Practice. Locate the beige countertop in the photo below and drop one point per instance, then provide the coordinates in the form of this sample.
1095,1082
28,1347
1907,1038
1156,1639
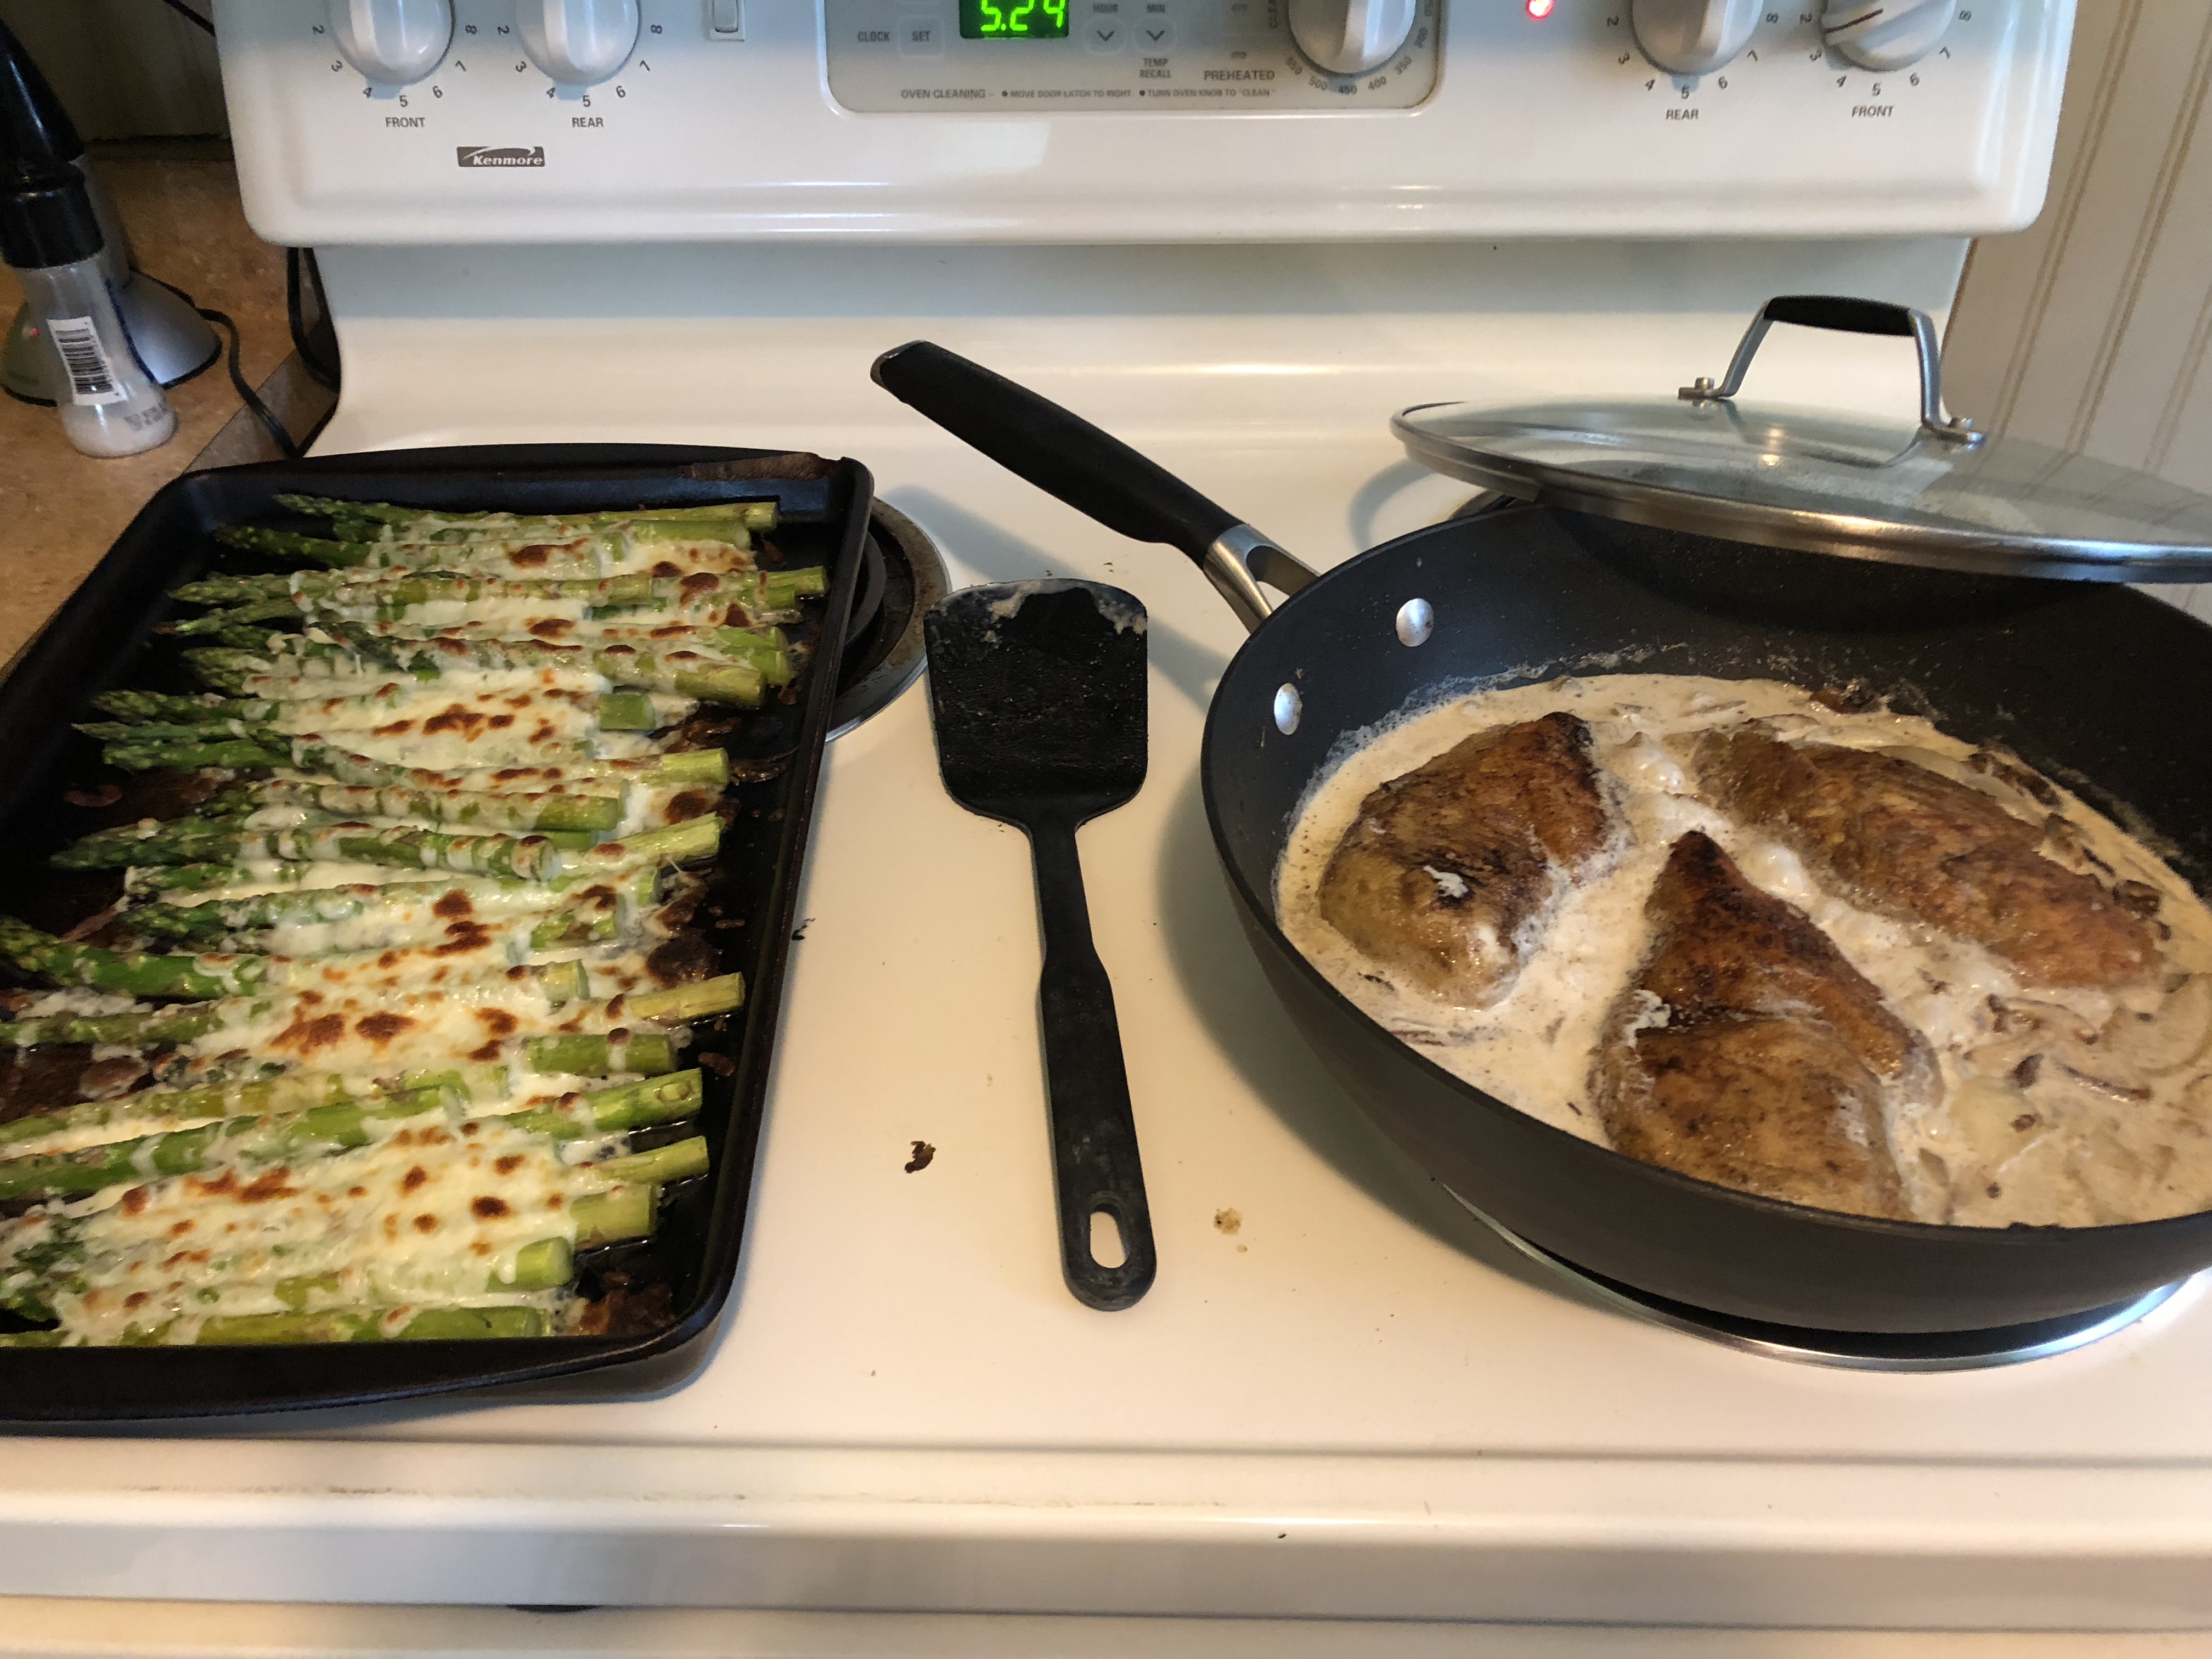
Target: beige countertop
60,510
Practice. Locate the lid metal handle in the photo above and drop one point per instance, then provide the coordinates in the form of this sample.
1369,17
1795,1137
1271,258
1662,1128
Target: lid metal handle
1851,317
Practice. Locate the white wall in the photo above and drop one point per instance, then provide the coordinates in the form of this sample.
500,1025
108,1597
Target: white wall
2093,328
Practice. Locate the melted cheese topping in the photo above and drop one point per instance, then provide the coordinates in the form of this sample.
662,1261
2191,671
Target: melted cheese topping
435,1209
445,1014
2094,1135
317,677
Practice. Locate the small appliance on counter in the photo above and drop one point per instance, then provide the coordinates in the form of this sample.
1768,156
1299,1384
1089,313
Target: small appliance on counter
172,340
50,238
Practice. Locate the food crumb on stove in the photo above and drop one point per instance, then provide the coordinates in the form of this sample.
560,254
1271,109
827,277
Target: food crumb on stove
1227,1221
799,932
923,1153
720,1064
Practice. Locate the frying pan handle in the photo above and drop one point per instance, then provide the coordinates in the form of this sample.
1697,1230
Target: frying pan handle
1847,316
1095,473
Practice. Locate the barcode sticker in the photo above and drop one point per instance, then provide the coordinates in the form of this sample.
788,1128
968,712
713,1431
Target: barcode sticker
92,378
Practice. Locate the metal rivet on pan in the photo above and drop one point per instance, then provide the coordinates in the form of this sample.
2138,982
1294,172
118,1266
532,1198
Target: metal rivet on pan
1417,620
1288,707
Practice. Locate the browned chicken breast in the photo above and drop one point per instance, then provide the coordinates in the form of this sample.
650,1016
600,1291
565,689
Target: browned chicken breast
1925,848
1444,869
1748,1051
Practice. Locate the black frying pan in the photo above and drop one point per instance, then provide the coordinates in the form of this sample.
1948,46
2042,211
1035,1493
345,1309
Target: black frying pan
2101,687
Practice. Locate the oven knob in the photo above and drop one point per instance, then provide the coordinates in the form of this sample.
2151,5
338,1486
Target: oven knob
1350,37
578,43
395,43
1879,36
1693,37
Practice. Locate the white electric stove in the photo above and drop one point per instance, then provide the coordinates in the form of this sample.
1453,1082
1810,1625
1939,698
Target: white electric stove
1344,1398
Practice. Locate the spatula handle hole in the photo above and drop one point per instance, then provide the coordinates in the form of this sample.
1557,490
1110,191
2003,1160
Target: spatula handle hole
1106,1248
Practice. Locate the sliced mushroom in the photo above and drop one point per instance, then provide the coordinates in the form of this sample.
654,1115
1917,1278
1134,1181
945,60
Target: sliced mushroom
1998,1121
2167,1041
2027,1030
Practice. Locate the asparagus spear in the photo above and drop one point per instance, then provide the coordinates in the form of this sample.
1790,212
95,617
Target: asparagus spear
334,799
662,1165
395,610
141,714
426,587
546,1265
669,769
336,1325
41,956
282,609
290,1091
600,1219
186,841
576,1054
370,1325
205,978
139,1028
688,1002
589,554
612,1111
408,912
182,1152
363,652
750,515
623,1211
486,811
342,1124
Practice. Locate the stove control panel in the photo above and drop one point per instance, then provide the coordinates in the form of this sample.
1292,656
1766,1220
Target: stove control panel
1131,55
620,121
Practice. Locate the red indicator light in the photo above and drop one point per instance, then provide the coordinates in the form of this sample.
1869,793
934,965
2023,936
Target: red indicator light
1540,9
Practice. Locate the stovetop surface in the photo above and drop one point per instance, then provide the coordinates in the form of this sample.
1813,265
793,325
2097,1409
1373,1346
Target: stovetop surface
1318,1294
1344,1396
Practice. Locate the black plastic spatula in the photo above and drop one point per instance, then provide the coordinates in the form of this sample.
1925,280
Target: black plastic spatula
1036,690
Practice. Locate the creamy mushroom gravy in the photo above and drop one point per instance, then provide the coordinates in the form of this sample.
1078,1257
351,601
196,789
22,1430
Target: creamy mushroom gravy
2072,1107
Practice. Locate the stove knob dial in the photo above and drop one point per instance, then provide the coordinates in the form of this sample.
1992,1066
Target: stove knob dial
395,43
580,42
1879,36
1693,37
1350,37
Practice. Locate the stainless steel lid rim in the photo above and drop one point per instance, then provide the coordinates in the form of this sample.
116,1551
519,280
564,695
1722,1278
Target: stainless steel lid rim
1661,507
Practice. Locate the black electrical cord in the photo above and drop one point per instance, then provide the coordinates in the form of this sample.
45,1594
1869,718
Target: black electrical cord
283,440
180,6
299,269
246,394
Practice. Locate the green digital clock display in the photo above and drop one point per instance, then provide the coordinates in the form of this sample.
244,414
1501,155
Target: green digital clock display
1013,20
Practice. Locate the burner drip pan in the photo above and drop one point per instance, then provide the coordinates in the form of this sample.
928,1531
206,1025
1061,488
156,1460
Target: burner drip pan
1869,1351
902,575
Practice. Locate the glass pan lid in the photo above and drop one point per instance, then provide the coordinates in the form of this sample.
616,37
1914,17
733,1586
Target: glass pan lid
1930,493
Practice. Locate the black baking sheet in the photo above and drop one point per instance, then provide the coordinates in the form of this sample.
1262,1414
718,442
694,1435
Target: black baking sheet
104,637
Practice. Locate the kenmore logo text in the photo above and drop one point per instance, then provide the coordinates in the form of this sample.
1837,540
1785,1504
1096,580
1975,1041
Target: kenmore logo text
512,155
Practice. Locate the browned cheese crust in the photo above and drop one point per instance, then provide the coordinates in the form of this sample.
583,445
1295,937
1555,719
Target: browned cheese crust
1922,848
1770,1069
1447,863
